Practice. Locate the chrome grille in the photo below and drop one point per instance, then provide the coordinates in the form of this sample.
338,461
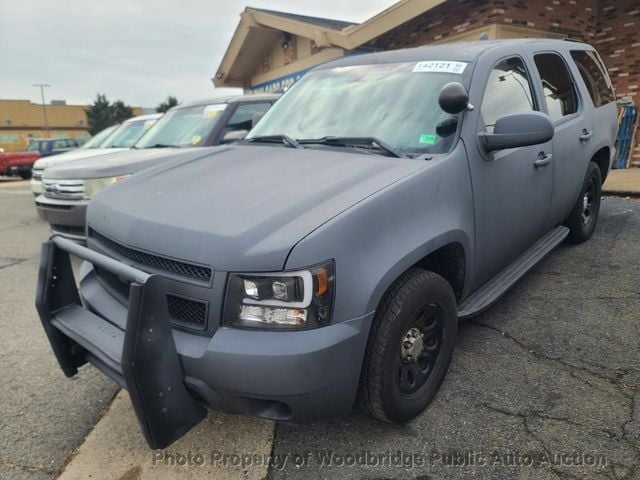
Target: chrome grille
196,272
65,189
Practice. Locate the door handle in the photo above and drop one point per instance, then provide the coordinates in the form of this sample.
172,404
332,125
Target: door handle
543,159
586,135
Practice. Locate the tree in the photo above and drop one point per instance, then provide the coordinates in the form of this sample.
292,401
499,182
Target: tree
170,102
103,114
99,114
120,112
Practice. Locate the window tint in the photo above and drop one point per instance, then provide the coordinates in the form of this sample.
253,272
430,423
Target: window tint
595,77
508,91
58,144
243,116
557,85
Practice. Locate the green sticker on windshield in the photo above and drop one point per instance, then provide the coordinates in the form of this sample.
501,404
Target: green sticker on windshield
427,139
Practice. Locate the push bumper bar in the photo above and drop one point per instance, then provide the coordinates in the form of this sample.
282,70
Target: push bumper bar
142,358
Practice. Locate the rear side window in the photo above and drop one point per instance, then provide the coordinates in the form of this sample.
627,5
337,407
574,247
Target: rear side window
508,91
557,85
595,77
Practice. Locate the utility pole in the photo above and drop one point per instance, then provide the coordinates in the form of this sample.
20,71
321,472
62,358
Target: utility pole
44,106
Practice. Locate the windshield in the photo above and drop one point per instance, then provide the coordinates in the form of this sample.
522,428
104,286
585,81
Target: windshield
183,127
99,138
128,134
395,103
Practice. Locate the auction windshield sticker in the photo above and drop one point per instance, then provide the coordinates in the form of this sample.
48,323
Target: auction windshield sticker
211,111
440,67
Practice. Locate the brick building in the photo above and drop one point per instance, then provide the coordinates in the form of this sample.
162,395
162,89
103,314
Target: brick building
270,50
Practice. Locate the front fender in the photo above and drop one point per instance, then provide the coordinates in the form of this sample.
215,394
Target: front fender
379,238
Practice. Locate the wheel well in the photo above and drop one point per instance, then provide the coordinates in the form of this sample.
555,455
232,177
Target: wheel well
449,263
602,159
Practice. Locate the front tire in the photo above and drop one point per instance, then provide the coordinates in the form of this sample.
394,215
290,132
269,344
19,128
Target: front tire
410,346
584,216
25,174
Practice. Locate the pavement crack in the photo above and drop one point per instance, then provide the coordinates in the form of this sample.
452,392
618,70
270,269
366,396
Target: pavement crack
26,468
540,414
569,367
9,262
624,435
559,473
626,427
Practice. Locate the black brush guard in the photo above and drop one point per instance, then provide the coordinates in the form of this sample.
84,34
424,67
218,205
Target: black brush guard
142,358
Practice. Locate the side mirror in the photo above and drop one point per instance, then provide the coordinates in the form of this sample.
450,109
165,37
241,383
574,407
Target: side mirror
518,130
447,127
256,118
233,136
453,98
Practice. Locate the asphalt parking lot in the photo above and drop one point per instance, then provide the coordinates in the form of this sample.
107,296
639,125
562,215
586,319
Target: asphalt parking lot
544,385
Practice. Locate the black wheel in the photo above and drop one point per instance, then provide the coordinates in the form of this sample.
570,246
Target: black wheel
25,174
410,345
584,216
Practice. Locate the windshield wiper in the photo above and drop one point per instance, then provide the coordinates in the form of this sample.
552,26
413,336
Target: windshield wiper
355,142
162,145
284,139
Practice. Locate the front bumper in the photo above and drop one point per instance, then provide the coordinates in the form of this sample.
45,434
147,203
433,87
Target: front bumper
170,373
66,217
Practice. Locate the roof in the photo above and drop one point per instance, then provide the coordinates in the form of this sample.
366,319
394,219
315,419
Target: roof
458,51
142,118
230,99
322,22
258,27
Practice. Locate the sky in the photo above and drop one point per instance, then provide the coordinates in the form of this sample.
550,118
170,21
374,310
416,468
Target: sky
137,51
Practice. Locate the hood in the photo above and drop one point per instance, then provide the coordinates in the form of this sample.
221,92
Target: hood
113,164
77,154
240,207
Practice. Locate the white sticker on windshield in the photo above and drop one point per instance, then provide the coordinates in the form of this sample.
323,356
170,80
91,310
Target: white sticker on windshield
211,111
440,67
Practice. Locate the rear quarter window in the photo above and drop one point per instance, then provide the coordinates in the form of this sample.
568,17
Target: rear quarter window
557,85
595,77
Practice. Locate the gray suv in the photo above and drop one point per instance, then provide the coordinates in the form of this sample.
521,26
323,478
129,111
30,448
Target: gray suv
329,256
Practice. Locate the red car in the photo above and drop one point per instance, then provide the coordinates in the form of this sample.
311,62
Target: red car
20,163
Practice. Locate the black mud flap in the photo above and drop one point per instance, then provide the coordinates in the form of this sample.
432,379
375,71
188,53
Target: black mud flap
143,358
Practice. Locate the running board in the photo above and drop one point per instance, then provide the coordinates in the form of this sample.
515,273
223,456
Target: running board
491,291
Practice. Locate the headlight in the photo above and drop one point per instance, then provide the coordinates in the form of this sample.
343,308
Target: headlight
283,300
94,185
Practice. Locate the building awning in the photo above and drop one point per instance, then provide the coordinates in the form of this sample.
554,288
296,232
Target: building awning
260,27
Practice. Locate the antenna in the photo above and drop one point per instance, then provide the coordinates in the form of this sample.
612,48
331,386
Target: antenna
484,36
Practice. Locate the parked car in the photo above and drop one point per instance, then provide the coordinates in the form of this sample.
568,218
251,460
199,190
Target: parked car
69,188
17,163
21,163
51,146
383,198
112,139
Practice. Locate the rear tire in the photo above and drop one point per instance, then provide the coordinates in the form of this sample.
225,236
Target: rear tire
584,216
410,346
25,174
